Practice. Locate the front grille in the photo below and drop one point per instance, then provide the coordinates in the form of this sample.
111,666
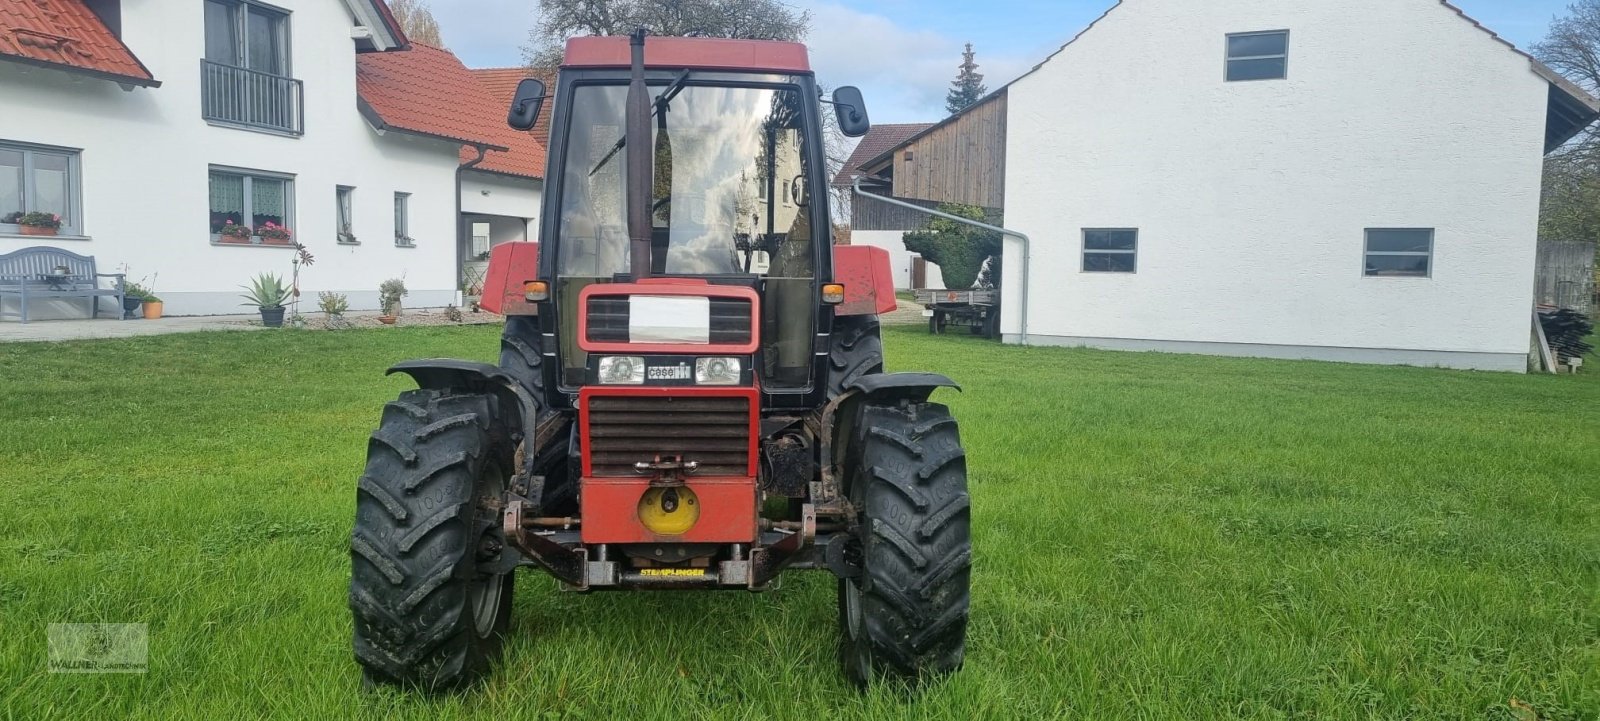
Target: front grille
608,320
713,431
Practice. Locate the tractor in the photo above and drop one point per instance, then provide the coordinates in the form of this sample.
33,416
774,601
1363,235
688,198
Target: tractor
690,393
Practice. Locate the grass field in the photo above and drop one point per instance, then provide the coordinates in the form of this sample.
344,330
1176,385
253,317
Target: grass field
1157,536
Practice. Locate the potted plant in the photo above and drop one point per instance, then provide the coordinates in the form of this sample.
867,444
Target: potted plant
273,234
333,306
152,307
39,223
389,294
132,297
403,240
268,293
346,237
231,232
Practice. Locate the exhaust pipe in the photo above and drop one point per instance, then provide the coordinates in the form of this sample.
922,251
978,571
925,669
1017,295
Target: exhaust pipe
640,164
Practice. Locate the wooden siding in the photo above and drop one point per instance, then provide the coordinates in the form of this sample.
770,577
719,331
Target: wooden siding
963,161
1566,274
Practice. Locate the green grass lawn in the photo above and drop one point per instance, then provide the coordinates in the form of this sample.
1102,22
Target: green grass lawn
1157,536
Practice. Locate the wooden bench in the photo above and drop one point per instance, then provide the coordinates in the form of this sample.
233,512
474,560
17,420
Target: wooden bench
43,272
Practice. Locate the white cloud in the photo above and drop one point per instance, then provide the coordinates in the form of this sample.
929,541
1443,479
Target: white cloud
904,72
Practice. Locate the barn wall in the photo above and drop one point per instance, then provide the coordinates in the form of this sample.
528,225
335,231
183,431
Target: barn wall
963,162
1251,198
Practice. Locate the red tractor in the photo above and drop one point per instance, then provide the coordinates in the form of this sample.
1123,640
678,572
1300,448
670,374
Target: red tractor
690,392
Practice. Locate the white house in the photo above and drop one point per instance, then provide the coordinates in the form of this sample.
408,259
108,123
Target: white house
151,127
1351,180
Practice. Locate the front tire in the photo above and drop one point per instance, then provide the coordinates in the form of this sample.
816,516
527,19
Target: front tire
905,615
521,355
427,514
856,349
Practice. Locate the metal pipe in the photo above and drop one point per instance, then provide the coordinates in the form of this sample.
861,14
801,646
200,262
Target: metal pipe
1026,244
640,162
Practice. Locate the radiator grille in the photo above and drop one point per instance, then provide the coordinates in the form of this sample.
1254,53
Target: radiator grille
711,430
608,320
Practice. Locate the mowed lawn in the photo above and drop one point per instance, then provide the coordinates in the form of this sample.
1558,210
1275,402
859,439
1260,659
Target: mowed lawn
1157,536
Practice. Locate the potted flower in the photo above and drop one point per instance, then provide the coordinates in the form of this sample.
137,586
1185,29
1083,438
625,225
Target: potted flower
39,223
403,240
268,294
273,234
234,233
333,307
346,237
132,297
389,294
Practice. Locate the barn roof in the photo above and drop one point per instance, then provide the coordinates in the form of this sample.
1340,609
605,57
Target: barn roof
878,141
67,35
426,91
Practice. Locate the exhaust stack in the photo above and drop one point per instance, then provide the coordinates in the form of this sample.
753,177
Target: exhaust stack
640,166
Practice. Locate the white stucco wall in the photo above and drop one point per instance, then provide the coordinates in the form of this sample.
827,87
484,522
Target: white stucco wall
1251,198
900,259
146,154
495,194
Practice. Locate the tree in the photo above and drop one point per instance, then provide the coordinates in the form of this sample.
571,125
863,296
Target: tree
968,86
1571,205
416,19
752,19
957,248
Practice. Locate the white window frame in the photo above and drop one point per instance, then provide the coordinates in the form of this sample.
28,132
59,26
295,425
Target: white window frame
1367,252
1085,250
1228,59
402,221
74,225
249,177
344,214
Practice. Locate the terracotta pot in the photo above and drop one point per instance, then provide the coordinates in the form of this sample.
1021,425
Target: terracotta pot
37,230
387,319
152,309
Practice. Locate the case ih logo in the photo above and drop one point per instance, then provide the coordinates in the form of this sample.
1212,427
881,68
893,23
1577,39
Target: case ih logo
668,373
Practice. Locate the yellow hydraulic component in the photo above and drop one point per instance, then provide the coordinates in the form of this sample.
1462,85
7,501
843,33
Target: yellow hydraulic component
669,511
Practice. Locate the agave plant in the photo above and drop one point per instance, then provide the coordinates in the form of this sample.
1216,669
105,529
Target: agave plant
268,291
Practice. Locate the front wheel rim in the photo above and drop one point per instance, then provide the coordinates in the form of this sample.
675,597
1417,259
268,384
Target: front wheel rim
484,593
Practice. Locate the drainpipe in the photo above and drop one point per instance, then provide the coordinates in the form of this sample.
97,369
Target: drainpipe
461,222
1023,335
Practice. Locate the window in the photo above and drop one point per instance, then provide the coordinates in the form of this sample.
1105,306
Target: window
1399,252
245,73
35,179
244,204
344,198
1110,250
402,220
1258,56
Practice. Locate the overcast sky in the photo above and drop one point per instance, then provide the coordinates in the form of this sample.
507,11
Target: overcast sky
903,53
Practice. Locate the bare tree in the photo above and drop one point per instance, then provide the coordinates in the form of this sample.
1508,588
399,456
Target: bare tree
416,19
754,19
1571,202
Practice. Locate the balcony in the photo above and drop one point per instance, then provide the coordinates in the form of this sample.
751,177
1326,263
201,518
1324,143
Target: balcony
251,99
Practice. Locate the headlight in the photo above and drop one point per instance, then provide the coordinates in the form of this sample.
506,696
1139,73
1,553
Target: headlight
716,371
622,370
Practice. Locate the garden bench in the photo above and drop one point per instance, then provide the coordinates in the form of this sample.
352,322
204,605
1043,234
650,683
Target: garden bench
43,272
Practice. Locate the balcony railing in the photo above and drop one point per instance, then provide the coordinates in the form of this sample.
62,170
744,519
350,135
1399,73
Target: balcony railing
251,98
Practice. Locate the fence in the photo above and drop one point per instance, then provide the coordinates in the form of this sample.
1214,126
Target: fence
247,97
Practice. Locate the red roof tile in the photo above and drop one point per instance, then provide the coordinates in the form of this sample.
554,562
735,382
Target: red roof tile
427,91
879,140
66,34
527,155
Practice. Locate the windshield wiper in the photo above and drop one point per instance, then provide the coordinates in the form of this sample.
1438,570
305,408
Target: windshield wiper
657,108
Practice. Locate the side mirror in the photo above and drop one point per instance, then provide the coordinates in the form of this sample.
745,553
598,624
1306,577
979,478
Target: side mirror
851,111
526,103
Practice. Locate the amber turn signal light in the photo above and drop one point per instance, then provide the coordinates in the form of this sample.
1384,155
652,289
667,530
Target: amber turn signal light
534,291
833,293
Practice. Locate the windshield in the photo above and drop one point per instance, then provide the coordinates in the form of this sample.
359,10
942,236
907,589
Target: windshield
729,192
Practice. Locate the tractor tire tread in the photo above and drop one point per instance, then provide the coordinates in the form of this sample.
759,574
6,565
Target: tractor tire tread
855,350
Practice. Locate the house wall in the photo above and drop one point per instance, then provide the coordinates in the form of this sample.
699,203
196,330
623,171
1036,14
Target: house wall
1251,198
495,194
146,153
900,259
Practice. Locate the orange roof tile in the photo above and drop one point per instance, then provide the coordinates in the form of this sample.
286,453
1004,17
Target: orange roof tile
527,155
427,91
66,34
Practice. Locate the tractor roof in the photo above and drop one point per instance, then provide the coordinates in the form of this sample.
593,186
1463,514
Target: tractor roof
696,53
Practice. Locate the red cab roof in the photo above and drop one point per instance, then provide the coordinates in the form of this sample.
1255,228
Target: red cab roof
697,53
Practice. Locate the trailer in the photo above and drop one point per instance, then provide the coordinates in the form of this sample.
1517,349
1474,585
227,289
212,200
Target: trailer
976,308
